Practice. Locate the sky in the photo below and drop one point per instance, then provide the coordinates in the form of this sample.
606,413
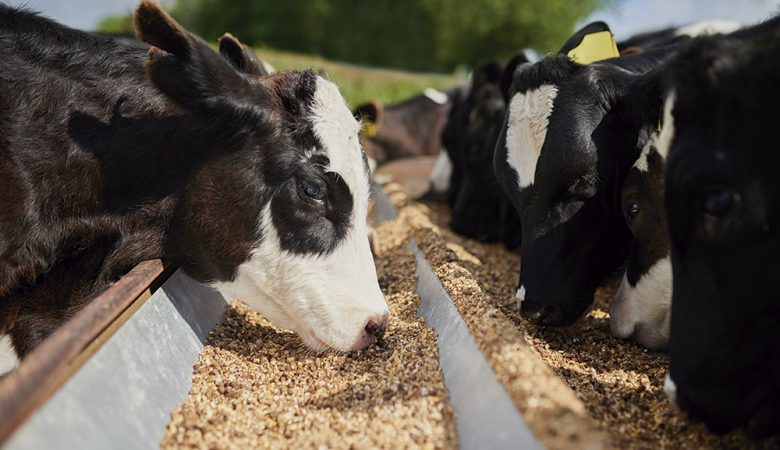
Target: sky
629,17
625,18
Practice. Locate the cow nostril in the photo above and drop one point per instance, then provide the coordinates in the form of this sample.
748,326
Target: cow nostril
376,329
547,315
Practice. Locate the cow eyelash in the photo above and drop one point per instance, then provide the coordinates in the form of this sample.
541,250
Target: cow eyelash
584,181
580,189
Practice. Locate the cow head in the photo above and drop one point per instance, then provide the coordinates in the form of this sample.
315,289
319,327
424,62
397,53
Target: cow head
452,138
568,141
476,199
723,211
640,308
275,214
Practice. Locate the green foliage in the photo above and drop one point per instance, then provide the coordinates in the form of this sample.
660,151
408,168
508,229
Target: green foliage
418,35
116,25
361,84
357,84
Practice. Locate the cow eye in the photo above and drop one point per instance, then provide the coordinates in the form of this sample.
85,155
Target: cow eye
632,210
719,202
311,189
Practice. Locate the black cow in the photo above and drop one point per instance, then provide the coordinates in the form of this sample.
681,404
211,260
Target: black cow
571,134
113,152
723,210
480,209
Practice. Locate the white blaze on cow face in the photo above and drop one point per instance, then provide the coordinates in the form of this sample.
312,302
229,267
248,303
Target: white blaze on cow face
642,163
529,117
8,357
328,299
666,136
643,311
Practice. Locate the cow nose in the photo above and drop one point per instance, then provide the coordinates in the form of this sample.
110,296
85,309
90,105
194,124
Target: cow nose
376,328
544,314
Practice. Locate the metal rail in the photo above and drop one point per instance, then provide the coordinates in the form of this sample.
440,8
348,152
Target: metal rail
50,364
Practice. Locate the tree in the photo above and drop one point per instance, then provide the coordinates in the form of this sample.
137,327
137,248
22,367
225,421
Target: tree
116,25
409,34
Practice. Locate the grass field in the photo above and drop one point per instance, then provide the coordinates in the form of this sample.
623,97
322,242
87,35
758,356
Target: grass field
361,84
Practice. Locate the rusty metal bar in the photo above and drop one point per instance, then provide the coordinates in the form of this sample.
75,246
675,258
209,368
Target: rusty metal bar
50,364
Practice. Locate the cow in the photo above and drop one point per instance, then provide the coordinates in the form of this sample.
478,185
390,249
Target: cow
571,134
114,152
675,35
480,209
406,129
723,211
640,308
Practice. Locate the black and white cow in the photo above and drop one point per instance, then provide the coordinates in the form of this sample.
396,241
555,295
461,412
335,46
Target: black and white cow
723,210
640,308
571,135
114,152
676,35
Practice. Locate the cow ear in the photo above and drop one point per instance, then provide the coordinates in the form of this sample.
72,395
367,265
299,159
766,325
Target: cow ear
182,66
592,43
242,57
576,38
509,73
370,114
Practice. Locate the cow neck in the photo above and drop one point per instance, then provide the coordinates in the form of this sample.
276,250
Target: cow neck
146,163
146,160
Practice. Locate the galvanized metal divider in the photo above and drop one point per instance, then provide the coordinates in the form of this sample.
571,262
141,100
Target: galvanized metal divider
111,375
486,415
50,364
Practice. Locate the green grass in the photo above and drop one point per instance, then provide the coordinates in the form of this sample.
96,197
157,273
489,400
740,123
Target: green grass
361,84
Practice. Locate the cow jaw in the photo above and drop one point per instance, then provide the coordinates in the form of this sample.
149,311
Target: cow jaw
642,311
327,299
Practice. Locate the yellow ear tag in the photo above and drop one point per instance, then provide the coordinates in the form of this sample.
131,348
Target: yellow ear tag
594,47
369,130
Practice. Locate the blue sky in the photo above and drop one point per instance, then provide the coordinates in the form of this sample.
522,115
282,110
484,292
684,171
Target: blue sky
633,16
626,18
